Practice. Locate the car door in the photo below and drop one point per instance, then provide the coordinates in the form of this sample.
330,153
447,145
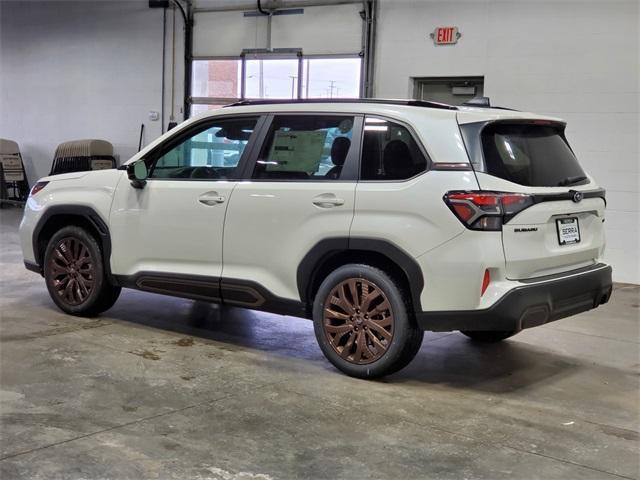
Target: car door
167,236
299,190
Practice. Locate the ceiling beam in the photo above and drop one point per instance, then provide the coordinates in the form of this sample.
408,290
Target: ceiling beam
240,5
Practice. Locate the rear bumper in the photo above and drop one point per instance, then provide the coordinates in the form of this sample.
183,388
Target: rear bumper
533,303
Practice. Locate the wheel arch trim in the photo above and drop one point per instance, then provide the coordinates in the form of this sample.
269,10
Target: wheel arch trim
324,250
83,211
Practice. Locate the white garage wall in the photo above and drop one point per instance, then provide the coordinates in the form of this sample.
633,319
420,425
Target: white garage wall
78,69
577,60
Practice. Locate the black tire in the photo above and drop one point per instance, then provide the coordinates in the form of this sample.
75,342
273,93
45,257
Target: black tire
489,336
390,353
75,274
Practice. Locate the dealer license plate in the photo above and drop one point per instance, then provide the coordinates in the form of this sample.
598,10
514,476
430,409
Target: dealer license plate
568,230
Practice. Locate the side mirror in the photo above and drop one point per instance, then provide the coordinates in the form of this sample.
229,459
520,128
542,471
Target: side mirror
137,173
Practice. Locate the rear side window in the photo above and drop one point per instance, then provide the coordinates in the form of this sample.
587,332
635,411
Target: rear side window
389,152
530,155
305,147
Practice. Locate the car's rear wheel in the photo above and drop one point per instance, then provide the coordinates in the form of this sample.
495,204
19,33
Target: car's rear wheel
363,324
75,274
489,336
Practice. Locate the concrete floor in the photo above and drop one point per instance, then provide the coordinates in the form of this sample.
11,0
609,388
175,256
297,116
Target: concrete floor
168,388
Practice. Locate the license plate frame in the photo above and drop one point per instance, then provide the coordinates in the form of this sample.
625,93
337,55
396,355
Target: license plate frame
565,235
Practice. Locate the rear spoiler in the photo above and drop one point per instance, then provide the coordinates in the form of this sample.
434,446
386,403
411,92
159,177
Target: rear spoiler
484,102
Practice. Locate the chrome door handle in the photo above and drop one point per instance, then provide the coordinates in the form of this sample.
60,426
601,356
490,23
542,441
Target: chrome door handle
327,200
211,199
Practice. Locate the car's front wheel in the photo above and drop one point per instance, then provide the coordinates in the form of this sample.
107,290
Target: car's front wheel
363,324
75,274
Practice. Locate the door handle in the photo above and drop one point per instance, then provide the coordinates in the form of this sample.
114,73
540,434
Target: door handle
327,200
211,198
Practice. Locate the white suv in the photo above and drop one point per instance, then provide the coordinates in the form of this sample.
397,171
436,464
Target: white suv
378,219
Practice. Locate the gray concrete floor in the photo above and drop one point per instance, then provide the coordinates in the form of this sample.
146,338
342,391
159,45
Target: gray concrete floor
167,388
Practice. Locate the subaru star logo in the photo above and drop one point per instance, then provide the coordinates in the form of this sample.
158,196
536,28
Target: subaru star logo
577,196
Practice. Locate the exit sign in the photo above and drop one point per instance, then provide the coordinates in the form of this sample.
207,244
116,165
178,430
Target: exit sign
445,35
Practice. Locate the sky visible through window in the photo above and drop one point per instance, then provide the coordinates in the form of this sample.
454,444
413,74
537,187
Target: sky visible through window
321,78
331,78
271,78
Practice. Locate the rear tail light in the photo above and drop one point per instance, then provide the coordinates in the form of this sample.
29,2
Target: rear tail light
486,210
37,187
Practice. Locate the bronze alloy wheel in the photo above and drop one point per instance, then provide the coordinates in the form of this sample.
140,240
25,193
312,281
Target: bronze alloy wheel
72,271
358,321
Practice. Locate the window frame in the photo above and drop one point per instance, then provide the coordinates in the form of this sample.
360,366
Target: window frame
198,127
350,170
414,136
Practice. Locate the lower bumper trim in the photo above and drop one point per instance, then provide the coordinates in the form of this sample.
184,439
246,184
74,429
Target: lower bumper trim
529,305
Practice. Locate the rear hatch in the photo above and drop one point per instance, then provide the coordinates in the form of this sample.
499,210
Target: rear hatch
560,225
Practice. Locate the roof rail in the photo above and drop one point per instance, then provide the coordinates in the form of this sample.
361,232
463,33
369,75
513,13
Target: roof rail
383,101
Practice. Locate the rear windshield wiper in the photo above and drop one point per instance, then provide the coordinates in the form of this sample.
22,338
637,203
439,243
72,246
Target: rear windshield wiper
571,180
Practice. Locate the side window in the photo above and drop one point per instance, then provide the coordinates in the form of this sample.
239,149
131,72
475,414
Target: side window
305,147
389,152
213,152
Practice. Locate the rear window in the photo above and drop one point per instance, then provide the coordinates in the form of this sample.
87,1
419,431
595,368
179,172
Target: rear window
531,155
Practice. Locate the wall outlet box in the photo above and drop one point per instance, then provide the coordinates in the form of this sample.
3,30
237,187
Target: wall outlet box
154,116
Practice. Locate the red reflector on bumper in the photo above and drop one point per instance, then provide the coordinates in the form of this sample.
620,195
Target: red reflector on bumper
485,282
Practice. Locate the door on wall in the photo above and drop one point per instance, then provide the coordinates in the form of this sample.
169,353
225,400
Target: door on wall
450,90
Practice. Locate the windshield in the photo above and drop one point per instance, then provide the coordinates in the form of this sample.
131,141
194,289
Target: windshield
531,155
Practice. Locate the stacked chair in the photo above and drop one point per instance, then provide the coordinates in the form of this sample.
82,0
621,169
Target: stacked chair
14,186
83,155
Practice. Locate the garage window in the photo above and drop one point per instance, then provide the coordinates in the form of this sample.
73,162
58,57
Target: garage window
216,78
272,78
199,108
218,82
331,77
